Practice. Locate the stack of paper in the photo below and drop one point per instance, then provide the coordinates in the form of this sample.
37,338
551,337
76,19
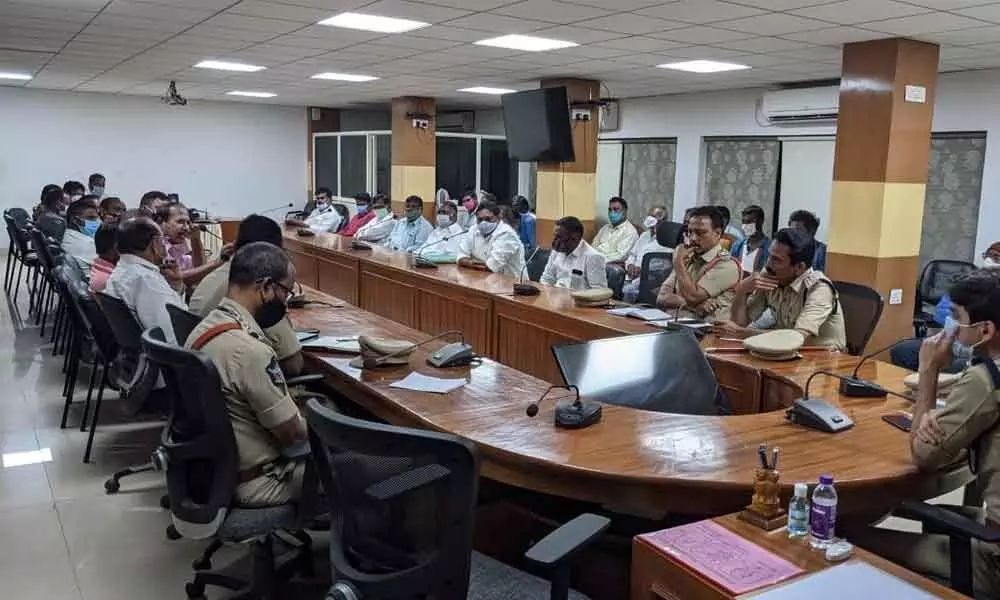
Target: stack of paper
644,314
855,579
424,383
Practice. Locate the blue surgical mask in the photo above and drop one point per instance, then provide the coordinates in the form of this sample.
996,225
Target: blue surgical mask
90,227
362,209
486,228
615,217
97,190
958,349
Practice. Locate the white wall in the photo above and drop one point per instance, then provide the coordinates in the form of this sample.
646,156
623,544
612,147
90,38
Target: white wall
965,102
227,157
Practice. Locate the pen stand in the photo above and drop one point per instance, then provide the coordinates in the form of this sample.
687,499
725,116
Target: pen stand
765,509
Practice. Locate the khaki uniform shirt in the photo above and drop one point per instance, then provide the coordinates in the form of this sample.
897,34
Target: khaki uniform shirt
808,305
252,383
210,293
715,272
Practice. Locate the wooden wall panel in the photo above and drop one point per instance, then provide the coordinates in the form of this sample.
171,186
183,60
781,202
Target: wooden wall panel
338,277
385,294
452,308
305,267
740,383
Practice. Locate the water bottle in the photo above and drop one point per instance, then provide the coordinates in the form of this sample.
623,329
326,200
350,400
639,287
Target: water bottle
823,520
798,512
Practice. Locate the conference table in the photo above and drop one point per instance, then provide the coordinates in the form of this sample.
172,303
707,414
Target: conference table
638,462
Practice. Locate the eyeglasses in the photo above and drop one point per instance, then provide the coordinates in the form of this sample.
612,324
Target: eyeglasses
289,292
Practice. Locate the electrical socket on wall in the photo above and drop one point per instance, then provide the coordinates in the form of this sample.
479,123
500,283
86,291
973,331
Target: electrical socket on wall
896,296
581,114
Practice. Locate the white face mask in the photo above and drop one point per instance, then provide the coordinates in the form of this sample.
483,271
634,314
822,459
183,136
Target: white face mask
989,263
444,220
486,228
650,222
749,228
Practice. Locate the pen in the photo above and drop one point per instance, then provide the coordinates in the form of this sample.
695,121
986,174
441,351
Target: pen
762,454
774,458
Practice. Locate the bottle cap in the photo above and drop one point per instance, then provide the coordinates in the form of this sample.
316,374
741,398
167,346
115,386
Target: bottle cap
826,479
801,489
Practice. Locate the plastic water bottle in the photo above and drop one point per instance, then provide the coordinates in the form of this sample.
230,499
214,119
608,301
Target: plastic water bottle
823,520
798,512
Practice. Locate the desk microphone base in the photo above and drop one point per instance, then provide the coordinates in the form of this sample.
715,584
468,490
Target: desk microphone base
859,388
578,414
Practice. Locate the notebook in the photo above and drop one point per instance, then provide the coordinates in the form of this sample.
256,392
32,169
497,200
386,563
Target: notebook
723,557
855,579
643,314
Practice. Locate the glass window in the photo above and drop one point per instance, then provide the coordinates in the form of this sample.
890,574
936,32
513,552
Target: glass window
353,165
325,162
498,173
456,164
383,164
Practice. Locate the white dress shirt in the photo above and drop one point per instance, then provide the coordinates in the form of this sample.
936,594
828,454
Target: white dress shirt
615,241
408,235
139,284
443,240
377,230
645,244
323,220
80,247
581,269
502,251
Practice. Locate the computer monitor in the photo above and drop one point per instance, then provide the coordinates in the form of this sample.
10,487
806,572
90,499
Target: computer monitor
664,372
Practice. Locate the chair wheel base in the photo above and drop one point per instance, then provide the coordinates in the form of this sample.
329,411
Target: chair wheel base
194,590
112,486
172,533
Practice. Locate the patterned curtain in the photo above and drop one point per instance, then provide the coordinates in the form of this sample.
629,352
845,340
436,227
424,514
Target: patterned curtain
648,170
951,203
740,172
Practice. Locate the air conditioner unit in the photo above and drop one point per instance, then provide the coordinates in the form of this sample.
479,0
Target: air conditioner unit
801,105
457,122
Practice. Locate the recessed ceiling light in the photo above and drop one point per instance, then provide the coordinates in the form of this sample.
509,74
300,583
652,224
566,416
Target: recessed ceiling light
703,66
344,77
486,90
229,66
363,22
17,76
526,43
251,94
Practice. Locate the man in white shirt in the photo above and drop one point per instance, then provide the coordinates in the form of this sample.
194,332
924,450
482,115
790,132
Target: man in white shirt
323,218
574,264
444,240
82,223
411,231
616,239
492,245
137,281
645,244
380,228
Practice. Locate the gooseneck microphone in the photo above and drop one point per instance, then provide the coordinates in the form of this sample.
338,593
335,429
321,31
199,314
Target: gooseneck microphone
576,415
860,388
844,379
372,363
274,208
526,289
422,263
205,229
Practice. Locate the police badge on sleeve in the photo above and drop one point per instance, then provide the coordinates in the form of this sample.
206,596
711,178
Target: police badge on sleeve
274,372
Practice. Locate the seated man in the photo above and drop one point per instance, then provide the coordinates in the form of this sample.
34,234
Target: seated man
799,296
467,209
82,223
443,241
410,232
701,284
264,417
112,209
491,245
137,280
212,289
184,246
361,218
751,250
106,243
378,229
808,223
616,239
941,436
526,222
323,218
574,264
645,244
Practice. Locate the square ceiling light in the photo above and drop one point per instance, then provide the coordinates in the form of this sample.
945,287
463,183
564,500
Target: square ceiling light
703,66
486,90
376,23
251,94
526,43
344,77
223,65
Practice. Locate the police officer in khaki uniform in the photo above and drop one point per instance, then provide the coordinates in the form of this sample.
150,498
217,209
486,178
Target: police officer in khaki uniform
800,297
213,287
265,419
968,419
701,284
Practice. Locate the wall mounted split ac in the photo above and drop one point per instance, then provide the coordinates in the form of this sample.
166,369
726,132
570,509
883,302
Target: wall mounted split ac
802,105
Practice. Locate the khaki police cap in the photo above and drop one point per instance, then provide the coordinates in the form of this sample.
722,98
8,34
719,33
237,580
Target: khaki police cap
593,297
781,344
372,347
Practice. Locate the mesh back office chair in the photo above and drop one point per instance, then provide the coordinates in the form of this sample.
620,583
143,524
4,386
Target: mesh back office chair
615,274
202,462
656,267
932,286
401,503
862,308
345,217
183,321
536,266
670,233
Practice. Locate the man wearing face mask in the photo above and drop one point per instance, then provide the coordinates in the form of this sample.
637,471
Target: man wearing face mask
411,231
526,223
574,264
751,249
645,244
73,191
323,218
491,245
112,209
82,224
615,239
362,217
968,420
468,209
800,297
264,416
701,284
443,241
97,182
380,227
137,280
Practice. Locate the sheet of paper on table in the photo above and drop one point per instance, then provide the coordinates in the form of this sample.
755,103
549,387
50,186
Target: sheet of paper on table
855,579
424,383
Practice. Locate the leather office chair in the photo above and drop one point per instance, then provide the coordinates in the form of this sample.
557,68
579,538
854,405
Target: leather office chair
401,503
862,308
202,463
345,217
934,281
183,321
656,267
670,233
616,279
536,267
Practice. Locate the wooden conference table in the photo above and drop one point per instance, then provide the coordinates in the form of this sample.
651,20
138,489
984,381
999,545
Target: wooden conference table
636,461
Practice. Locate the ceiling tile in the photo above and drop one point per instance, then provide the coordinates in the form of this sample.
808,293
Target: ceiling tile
619,4
777,5
849,12
975,35
761,44
701,35
830,54
31,43
29,9
630,23
145,10
773,24
949,4
495,24
227,33
990,12
403,9
926,23
592,52
287,12
448,32
551,11
471,4
641,44
44,24
580,35
705,53
418,43
835,35
699,11
273,26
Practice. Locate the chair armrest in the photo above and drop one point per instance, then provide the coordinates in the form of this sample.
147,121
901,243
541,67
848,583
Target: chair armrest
404,483
304,379
946,521
567,541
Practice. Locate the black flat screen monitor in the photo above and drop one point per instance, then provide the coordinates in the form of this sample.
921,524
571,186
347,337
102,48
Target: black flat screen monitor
538,126
663,372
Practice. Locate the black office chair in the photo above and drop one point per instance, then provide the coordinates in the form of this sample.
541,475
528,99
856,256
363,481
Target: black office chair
183,321
536,266
50,255
670,233
345,217
935,279
862,308
401,503
80,347
53,226
202,463
19,252
656,267
615,274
